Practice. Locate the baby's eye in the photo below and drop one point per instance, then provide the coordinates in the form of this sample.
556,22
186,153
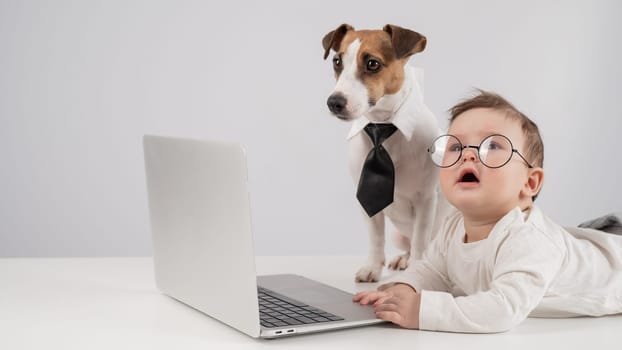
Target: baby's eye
454,147
494,146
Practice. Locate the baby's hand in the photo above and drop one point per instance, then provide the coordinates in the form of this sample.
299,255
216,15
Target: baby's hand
369,297
400,307
398,303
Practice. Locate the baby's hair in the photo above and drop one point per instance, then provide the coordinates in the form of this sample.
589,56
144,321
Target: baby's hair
534,147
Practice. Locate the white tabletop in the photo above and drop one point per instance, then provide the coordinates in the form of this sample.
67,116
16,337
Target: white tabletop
112,303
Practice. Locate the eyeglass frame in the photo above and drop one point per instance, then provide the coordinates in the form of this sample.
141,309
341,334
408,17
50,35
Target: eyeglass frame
463,147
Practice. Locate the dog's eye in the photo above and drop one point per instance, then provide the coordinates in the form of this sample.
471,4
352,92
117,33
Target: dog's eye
373,65
337,62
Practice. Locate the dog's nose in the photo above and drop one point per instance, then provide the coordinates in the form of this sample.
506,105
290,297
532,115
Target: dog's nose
336,103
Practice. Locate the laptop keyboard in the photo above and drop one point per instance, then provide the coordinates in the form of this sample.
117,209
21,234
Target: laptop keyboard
276,310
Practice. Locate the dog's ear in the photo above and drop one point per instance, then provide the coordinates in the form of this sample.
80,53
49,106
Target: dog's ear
332,40
405,42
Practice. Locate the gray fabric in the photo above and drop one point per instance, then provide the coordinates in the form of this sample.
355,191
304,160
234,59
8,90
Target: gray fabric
611,223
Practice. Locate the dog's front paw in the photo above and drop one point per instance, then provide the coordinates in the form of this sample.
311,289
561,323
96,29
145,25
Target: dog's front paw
400,262
369,273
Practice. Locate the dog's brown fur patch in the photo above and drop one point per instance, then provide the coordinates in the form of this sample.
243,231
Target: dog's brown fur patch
376,44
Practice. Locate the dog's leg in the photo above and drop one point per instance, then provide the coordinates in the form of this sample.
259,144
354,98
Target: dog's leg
402,242
373,269
400,262
424,222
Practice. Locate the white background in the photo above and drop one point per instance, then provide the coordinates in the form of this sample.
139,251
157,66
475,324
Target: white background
82,81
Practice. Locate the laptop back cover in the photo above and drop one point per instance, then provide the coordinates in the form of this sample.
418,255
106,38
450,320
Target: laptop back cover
201,227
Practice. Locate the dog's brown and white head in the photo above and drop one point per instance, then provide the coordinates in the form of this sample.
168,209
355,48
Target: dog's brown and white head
369,66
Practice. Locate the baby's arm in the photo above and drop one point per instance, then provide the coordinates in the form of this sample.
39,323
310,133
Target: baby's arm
524,268
525,265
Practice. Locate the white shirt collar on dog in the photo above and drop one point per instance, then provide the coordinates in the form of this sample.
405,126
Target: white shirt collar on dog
405,117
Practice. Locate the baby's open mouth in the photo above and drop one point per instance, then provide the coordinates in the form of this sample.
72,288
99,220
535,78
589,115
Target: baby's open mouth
469,177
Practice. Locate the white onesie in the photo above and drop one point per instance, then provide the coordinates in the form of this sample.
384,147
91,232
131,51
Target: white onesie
526,267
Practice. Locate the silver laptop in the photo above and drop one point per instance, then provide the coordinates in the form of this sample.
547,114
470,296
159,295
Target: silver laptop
203,246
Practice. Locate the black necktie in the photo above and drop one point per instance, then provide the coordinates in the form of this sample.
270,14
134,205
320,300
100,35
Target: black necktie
375,190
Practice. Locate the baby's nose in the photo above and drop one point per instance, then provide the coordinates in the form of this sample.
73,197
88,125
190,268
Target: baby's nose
469,153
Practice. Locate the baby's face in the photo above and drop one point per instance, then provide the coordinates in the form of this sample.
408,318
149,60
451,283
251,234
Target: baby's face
495,191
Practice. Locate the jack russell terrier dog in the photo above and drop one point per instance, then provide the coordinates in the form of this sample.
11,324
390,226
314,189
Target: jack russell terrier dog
396,178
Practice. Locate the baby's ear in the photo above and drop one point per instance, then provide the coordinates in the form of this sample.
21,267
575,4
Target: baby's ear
534,182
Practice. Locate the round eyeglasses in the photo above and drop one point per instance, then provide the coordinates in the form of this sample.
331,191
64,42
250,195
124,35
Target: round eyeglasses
494,151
